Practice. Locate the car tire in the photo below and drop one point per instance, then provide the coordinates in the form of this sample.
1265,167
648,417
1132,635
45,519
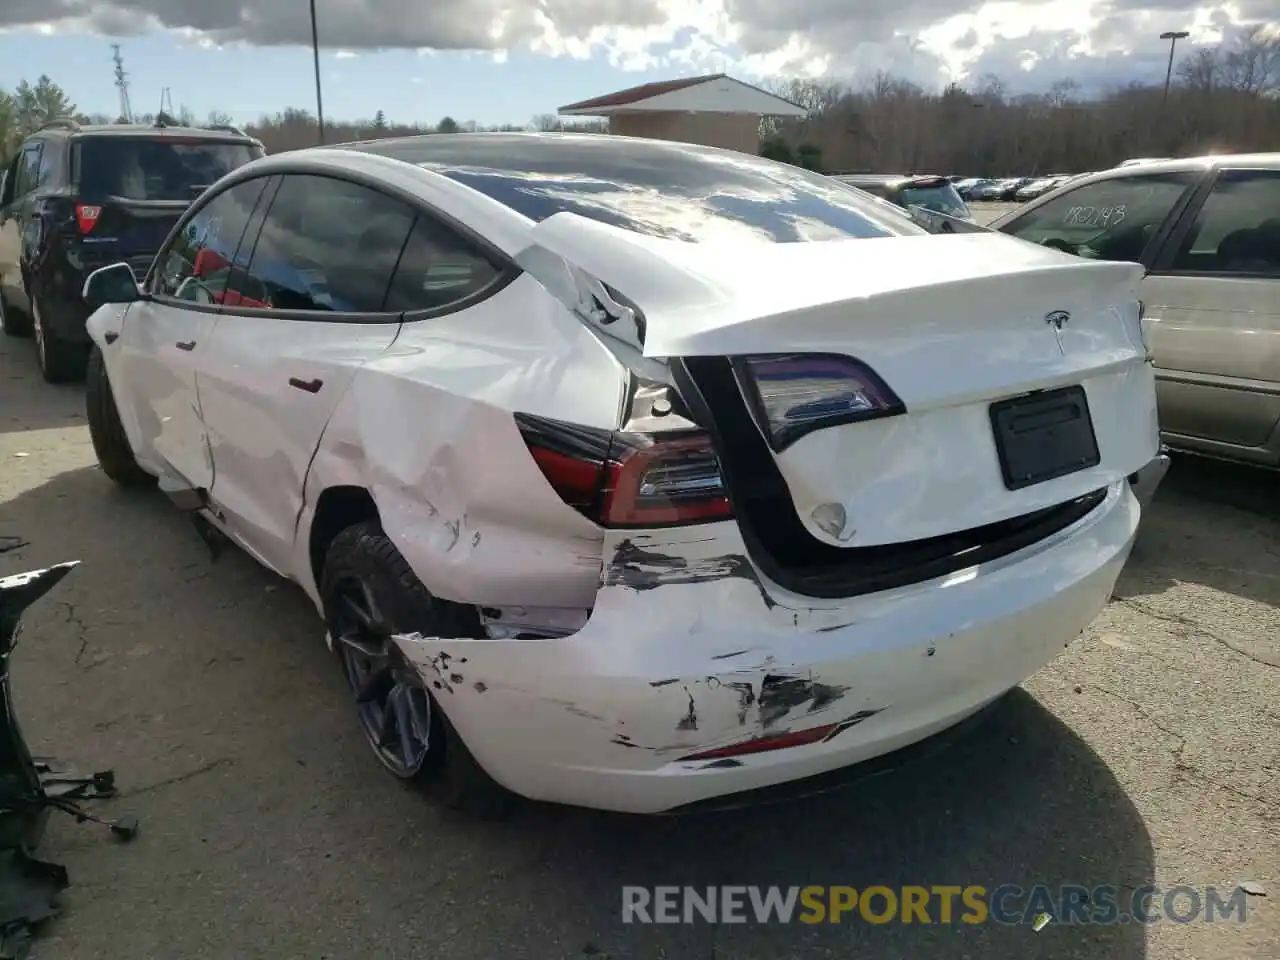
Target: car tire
13,323
61,361
110,442
364,559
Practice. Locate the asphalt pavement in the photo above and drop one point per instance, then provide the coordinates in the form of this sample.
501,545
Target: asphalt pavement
1147,754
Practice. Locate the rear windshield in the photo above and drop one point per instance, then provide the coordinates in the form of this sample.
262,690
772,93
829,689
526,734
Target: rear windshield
675,191
156,168
941,198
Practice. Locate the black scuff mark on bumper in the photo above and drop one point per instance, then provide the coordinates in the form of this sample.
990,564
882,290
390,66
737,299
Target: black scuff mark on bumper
690,720
780,695
663,683
641,569
852,721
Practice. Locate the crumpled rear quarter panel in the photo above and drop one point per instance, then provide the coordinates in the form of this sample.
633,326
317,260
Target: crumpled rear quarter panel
427,428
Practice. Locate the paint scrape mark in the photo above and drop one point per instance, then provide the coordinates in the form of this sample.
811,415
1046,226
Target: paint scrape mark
730,654
642,569
663,683
780,695
852,721
690,720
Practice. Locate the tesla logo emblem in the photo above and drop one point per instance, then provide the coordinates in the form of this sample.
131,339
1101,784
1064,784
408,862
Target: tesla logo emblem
1058,319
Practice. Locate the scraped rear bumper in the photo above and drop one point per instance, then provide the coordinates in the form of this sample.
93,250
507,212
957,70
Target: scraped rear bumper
688,651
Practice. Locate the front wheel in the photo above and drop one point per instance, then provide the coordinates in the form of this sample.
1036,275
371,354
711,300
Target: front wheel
110,442
369,593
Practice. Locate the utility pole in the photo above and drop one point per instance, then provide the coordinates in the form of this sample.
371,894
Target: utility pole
1173,36
122,84
315,55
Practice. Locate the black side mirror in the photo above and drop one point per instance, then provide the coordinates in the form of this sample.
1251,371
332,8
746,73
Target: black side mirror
113,284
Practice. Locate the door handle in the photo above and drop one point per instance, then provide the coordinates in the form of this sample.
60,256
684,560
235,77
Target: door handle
111,336
311,386
187,345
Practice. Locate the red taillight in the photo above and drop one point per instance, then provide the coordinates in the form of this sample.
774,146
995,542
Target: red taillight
630,480
87,215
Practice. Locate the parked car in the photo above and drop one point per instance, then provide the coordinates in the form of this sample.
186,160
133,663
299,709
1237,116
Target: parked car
1208,232
594,507
1038,188
971,188
1004,191
77,197
932,193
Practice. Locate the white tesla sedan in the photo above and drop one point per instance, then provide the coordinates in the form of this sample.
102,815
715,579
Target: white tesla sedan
633,474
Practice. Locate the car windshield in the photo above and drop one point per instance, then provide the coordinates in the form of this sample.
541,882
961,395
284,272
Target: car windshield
674,191
156,168
940,198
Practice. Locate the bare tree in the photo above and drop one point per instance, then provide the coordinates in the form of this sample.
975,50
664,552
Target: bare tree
1252,63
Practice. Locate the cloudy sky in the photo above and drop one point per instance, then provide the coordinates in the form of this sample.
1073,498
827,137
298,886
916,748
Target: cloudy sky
506,60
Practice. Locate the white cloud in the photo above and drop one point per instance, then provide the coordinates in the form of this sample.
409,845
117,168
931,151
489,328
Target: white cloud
1030,44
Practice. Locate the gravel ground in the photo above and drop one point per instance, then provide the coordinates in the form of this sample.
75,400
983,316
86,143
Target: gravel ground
1147,754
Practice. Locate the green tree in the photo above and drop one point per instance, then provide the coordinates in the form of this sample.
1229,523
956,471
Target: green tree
809,156
380,122
447,125
9,135
37,105
776,148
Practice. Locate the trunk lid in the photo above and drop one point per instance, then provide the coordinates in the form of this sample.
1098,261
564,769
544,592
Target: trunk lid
953,325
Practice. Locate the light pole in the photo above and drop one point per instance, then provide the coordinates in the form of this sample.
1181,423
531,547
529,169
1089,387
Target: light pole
315,55
1173,36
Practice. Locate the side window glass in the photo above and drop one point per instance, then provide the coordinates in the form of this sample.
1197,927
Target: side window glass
325,245
438,267
28,171
195,265
1109,220
1238,228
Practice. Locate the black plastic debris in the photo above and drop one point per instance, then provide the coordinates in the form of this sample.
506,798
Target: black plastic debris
31,788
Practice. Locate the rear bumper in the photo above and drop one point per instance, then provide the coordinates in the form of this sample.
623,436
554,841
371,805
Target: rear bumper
684,657
1145,481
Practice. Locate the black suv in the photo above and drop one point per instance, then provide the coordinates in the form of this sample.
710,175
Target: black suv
76,198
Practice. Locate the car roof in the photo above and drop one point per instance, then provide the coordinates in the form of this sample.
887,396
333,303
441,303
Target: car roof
871,177
889,179
77,130
1264,161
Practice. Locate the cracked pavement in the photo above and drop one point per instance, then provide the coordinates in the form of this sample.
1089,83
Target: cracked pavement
1148,753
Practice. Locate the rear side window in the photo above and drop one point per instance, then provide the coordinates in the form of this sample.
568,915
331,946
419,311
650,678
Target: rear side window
326,245
1238,228
438,267
155,168
197,262
27,173
1110,219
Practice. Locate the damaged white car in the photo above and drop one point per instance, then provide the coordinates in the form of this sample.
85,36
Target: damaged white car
633,474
